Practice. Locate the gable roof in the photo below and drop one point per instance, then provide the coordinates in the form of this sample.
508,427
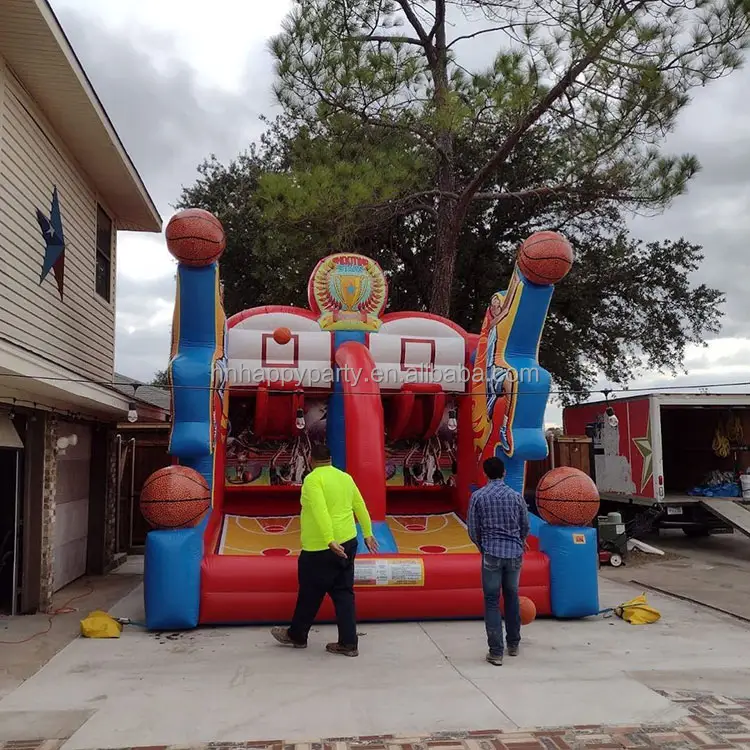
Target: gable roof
42,59
147,394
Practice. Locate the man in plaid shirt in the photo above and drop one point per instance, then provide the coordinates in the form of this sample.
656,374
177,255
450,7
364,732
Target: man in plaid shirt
498,523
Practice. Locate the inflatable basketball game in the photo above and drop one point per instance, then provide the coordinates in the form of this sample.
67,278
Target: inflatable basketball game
409,404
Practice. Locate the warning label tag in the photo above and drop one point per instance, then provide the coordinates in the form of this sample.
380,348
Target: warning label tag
385,572
579,539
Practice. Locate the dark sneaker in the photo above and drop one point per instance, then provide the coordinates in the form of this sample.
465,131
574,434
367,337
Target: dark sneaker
513,650
337,648
282,636
495,659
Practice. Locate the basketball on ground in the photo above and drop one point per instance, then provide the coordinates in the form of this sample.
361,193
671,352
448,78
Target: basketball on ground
175,497
545,258
567,497
282,335
528,610
195,237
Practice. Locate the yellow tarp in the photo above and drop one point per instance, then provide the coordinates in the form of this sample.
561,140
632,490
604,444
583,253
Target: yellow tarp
99,624
638,611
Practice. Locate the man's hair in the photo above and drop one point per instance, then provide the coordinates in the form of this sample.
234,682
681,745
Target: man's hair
320,453
494,468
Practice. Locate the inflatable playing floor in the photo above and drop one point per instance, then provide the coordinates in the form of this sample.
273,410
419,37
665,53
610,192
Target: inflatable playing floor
409,404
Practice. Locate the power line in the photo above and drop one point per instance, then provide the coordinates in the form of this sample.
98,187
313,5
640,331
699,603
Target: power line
118,387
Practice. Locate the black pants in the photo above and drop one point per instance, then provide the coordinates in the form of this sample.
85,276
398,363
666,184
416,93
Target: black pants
322,573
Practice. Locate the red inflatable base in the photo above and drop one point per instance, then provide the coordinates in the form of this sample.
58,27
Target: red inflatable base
261,590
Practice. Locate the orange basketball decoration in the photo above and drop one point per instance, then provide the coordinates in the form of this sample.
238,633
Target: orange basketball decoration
175,497
282,335
567,497
545,258
195,237
528,610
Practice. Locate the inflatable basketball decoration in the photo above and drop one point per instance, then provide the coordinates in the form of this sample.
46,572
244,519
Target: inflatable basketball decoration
195,237
282,335
175,497
567,497
528,610
545,258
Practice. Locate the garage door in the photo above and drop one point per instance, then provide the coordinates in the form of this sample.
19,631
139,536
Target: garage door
72,509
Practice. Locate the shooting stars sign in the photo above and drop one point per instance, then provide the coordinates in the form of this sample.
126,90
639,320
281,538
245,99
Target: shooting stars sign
54,242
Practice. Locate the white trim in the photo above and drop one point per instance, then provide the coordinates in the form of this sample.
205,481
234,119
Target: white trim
41,379
50,19
677,399
657,454
703,399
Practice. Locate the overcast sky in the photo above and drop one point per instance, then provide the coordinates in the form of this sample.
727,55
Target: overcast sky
180,83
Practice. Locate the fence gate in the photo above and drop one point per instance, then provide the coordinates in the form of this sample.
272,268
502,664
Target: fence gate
140,456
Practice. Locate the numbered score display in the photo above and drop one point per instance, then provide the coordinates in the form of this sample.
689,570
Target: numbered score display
385,572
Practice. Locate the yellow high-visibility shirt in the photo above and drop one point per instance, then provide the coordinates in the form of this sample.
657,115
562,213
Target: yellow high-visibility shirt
330,501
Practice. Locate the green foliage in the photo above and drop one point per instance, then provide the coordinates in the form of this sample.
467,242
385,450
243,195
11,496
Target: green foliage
161,379
391,145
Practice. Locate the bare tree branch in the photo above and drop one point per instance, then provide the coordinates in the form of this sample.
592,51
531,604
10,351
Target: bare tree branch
413,19
483,31
555,93
385,39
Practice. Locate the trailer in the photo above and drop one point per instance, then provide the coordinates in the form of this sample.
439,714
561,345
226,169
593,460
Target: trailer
668,460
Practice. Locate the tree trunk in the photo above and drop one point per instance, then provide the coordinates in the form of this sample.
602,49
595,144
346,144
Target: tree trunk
446,250
448,223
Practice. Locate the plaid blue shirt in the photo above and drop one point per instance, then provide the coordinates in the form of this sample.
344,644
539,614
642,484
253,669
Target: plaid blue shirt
498,521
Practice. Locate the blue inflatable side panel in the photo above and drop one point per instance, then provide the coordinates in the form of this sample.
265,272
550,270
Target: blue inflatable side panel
574,569
172,579
172,576
384,537
192,364
521,352
336,430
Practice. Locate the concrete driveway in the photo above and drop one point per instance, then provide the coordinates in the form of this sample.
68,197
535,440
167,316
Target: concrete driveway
714,571
410,679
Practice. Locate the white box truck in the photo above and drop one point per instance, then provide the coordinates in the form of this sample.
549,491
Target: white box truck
668,460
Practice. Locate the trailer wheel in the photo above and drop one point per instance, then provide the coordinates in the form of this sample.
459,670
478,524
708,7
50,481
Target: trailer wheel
615,560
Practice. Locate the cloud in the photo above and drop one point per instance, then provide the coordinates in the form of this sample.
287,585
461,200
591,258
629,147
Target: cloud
179,88
144,315
714,211
170,114
167,118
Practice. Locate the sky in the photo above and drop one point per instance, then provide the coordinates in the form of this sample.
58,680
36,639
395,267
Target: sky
181,83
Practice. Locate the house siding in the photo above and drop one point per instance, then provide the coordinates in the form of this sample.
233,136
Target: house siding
77,332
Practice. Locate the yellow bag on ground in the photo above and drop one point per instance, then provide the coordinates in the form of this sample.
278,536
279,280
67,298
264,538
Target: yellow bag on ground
99,624
638,611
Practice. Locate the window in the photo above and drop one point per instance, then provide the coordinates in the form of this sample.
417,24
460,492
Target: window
103,254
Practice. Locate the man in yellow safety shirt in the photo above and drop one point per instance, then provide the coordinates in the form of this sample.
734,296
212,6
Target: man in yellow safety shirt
330,502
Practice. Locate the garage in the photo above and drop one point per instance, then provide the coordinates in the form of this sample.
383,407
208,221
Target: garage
72,502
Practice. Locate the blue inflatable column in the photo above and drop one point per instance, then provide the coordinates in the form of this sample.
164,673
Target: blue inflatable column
173,558
534,382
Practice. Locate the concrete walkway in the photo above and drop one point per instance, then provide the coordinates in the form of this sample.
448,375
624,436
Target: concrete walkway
712,721
28,643
228,685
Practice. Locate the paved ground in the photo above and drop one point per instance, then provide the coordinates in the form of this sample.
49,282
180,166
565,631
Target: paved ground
712,721
411,679
236,684
714,571
27,643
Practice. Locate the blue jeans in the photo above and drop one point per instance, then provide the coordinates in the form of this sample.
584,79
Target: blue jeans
501,574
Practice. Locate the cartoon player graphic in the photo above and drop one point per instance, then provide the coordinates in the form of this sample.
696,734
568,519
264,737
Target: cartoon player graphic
294,472
426,472
499,376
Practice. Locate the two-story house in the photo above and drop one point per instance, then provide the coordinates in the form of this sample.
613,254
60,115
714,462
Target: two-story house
66,186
